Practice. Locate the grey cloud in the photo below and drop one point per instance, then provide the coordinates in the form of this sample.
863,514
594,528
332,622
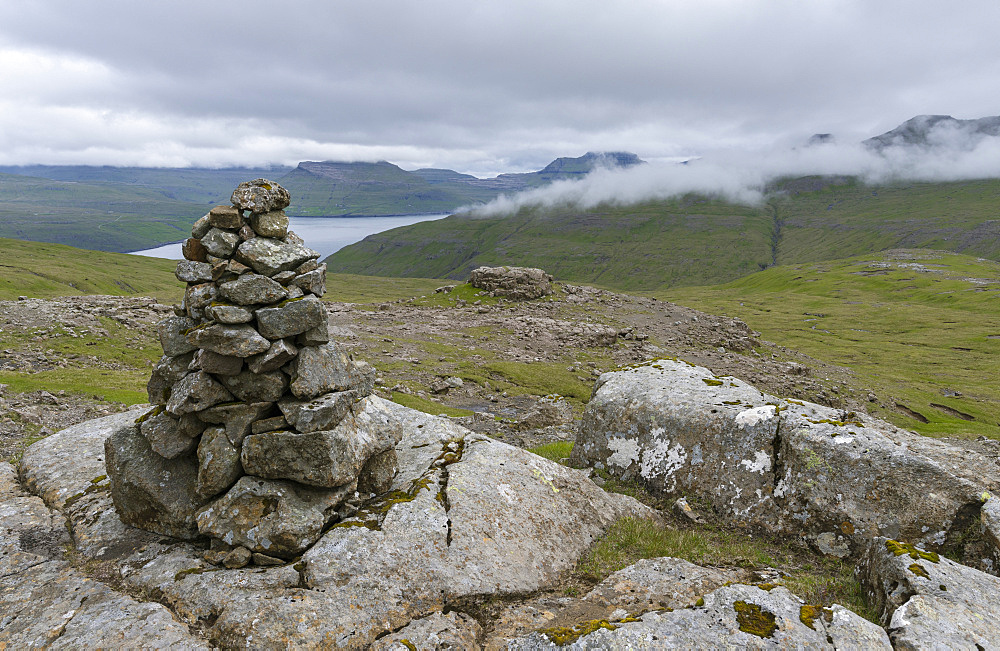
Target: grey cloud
458,81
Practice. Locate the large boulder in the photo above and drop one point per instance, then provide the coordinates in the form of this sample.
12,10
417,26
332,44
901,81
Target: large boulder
260,196
149,491
515,283
793,467
929,601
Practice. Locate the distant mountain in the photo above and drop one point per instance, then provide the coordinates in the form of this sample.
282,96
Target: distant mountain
937,131
190,184
332,188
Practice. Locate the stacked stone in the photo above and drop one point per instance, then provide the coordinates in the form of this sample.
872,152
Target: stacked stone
262,433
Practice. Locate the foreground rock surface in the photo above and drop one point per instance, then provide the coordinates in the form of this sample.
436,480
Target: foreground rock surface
467,516
922,596
793,467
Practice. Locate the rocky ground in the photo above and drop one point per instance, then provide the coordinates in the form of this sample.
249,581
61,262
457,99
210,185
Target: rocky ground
507,354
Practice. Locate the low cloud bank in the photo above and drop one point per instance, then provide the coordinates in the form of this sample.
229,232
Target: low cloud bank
946,154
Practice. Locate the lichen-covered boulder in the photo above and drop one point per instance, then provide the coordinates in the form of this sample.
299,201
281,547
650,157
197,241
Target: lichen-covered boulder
835,478
218,463
260,196
149,491
679,429
515,283
195,392
231,340
251,288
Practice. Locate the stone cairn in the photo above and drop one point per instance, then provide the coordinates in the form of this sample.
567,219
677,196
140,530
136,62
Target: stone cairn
262,433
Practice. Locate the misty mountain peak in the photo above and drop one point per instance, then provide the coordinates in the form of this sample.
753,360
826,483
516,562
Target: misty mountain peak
937,131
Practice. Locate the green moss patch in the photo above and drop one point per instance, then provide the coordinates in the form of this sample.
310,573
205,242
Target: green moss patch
754,620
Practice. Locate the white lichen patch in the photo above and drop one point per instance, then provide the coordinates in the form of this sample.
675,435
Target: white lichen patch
507,492
625,452
663,460
752,417
761,462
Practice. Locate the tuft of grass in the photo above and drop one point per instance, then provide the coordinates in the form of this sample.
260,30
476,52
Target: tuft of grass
555,451
817,580
427,406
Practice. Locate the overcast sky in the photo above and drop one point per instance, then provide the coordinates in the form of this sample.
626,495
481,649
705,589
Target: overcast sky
477,86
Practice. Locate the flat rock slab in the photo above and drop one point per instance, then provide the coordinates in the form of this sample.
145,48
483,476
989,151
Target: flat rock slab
67,463
45,602
927,600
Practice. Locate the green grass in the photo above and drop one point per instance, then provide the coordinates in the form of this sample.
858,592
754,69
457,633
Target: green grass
49,270
914,335
816,580
427,406
352,288
555,451
541,379
114,368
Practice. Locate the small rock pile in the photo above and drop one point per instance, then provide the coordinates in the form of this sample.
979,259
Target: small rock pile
259,437
514,283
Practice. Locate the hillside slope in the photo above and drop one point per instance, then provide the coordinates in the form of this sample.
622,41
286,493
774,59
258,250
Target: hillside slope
693,241
91,216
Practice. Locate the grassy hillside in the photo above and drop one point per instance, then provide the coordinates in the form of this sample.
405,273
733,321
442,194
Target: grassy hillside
635,247
48,270
924,326
99,217
688,242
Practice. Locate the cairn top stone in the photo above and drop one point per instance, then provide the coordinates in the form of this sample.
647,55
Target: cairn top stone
260,196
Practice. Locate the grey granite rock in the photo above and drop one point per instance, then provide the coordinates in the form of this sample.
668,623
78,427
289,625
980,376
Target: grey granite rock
843,479
236,417
280,353
454,630
197,298
260,196
326,458
251,288
216,364
322,412
151,492
166,372
231,314
202,226
321,369
220,243
378,473
269,256
735,616
172,332
193,272
51,605
277,518
313,281
232,340
257,387
164,437
218,463
195,392
270,224
290,318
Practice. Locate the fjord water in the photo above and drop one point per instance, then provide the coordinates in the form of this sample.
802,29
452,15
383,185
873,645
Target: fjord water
324,234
